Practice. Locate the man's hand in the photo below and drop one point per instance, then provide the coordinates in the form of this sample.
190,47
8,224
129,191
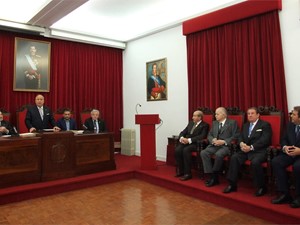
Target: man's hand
292,150
32,129
184,141
56,129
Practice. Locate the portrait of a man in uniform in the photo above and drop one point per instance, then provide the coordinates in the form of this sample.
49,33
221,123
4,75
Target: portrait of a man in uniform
156,80
32,71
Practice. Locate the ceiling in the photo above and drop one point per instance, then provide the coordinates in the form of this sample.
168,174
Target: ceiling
114,22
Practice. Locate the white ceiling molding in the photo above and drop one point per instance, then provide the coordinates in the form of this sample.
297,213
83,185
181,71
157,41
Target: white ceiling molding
54,11
20,26
59,34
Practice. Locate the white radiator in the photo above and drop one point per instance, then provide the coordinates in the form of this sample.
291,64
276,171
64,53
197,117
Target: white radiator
128,141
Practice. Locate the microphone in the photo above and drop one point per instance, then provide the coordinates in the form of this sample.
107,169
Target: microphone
84,127
136,111
16,132
161,123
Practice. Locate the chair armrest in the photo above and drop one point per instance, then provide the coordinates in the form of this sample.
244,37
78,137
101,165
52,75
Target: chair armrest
201,144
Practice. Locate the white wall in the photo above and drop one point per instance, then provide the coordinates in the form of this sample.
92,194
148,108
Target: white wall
171,44
168,44
290,32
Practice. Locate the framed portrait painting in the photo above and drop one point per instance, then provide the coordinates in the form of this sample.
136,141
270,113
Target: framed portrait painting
156,72
32,65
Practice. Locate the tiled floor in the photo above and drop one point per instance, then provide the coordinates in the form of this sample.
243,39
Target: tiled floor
126,202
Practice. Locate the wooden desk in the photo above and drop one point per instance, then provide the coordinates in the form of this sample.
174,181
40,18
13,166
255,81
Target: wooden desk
20,161
68,155
54,155
94,153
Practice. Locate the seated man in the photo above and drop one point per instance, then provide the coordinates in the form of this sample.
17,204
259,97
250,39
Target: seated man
254,139
5,127
290,155
94,124
66,122
195,131
220,136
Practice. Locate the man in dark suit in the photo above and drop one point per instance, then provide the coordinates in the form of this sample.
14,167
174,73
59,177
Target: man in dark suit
40,117
254,140
195,131
67,122
5,127
94,124
220,136
290,155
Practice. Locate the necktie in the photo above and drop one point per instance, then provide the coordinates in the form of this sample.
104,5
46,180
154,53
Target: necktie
95,127
195,124
219,130
41,112
298,131
250,129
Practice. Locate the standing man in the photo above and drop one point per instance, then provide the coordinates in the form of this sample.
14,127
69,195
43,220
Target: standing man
5,127
220,136
290,155
95,124
67,122
195,131
254,140
40,117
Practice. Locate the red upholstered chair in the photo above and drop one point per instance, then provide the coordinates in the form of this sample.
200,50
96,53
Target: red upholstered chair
85,114
274,117
238,115
60,112
6,114
21,115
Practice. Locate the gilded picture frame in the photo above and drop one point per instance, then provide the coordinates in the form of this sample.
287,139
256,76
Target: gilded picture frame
156,78
31,65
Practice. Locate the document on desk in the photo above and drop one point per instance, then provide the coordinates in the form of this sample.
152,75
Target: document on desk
48,130
27,135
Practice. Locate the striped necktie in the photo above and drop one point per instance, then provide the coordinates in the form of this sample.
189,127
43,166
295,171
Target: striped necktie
194,127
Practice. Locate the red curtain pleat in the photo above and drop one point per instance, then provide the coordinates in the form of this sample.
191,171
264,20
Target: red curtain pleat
82,76
238,64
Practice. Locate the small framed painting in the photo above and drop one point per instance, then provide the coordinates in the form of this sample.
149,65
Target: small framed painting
156,72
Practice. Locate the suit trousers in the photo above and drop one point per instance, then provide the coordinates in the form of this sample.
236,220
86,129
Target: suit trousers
220,152
279,165
238,159
183,156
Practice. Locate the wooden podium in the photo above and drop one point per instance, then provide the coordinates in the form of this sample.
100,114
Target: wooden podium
147,140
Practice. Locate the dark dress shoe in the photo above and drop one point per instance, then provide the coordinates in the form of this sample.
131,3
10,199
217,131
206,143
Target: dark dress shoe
212,182
178,175
230,188
186,177
260,192
295,203
285,198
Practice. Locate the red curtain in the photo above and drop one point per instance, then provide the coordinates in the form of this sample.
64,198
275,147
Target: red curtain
81,76
237,65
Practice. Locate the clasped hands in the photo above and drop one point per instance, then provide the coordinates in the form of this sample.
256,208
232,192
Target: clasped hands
217,142
244,147
292,150
184,140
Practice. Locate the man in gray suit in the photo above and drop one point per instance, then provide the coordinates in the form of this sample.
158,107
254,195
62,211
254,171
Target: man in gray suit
223,131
